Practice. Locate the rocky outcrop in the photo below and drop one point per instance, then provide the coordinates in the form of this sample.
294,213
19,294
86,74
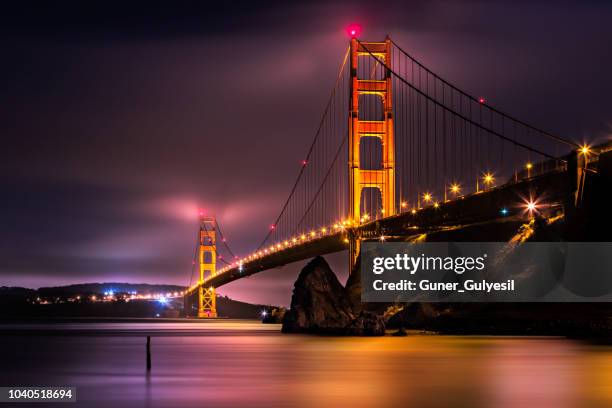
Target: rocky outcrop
321,305
366,324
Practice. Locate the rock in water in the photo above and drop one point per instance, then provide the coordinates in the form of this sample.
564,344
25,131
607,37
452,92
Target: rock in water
366,324
401,332
353,287
319,303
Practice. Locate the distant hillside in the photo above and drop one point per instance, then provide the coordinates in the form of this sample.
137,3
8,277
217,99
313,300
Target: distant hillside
88,300
100,288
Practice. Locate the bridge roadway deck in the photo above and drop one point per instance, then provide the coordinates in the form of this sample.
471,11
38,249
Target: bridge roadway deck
552,190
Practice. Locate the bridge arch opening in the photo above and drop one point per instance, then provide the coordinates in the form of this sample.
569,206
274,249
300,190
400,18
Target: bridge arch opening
371,107
371,203
370,153
369,68
207,257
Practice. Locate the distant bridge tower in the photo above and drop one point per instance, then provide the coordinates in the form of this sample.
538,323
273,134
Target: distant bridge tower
382,179
207,301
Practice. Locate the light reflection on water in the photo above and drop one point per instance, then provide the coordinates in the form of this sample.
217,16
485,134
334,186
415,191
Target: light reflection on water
234,363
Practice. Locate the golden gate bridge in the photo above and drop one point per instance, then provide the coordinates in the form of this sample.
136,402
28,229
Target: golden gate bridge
400,152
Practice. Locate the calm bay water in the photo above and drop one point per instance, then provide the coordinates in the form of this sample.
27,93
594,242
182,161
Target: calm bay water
240,363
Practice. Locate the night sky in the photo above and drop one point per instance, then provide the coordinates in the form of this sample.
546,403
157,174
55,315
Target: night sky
118,122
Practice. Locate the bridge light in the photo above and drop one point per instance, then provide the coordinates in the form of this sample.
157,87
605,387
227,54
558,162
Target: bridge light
531,206
323,230
353,30
346,240
488,178
427,197
304,162
382,238
303,237
403,204
413,211
455,188
436,205
382,211
264,313
482,100
529,166
312,233
272,226
585,149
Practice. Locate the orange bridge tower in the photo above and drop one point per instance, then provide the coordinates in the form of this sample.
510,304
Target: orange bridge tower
207,255
382,179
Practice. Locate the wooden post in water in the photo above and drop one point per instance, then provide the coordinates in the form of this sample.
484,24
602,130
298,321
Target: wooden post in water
148,353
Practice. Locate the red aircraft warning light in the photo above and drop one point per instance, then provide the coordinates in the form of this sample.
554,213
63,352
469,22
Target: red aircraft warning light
482,100
354,30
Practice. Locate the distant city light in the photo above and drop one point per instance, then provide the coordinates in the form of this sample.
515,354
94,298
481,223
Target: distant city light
264,313
163,300
504,211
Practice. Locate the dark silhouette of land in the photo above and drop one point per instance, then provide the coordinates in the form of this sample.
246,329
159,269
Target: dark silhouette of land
107,300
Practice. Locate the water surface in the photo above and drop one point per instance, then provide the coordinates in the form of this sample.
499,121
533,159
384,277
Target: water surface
241,363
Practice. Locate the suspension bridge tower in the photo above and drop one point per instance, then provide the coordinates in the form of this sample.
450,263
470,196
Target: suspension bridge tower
207,255
383,178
